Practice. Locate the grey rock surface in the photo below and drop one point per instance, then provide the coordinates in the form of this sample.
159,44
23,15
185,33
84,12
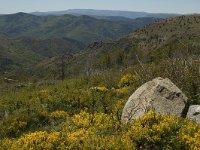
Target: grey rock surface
194,113
159,95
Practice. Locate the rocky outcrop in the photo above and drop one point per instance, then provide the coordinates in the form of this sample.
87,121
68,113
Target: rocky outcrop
159,95
194,113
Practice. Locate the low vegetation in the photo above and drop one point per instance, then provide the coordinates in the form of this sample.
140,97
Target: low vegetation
103,131
86,112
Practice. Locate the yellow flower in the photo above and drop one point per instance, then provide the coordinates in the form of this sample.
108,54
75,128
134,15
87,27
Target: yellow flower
121,91
102,121
128,79
99,89
83,119
37,140
59,115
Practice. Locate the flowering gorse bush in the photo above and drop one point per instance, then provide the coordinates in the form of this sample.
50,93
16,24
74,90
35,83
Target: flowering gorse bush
37,140
59,115
128,79
190,135
104,131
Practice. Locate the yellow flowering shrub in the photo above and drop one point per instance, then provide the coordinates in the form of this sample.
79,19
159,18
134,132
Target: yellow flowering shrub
102,89
119,105
190,135
127,142
79,134
45,95
14,126
83,119
84,97
153,130
196,144
114,142
99,89
78,138
128,79
37,140
17,126
117,109
104,131
6,144
59,115
103,121
121,91
97,120
44,91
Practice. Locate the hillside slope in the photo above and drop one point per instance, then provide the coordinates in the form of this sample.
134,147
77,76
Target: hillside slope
23,52
81,28
170,35
172,38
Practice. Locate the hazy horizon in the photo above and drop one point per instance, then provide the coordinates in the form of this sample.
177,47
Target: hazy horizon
155,6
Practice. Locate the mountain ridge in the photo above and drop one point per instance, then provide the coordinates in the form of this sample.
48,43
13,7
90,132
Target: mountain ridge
84,29
93,12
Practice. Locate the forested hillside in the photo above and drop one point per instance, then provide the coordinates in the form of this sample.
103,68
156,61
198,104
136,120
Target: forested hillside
81,28
25,52
27,39
172,39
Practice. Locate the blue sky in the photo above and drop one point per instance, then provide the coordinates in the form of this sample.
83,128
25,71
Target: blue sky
157,6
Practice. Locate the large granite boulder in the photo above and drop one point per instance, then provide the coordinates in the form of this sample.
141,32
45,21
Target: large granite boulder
159,95
194,113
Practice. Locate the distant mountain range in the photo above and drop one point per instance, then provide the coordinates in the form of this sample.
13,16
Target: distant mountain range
105,13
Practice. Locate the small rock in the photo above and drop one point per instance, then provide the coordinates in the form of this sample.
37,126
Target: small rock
194,113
